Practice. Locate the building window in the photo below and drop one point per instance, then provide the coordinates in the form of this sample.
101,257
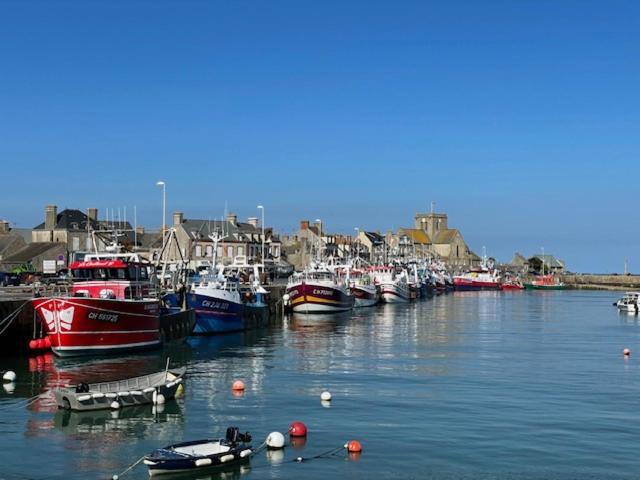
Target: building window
209,250
230,252
240,250
198,251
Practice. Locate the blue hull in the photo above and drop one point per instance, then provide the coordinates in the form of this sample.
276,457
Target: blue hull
212,315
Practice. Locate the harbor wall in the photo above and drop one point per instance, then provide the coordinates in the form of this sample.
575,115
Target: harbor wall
602,282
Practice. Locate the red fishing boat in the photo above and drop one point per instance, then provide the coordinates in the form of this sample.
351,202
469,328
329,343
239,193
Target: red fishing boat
109,309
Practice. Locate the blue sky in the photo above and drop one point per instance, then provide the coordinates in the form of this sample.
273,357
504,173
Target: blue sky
519,119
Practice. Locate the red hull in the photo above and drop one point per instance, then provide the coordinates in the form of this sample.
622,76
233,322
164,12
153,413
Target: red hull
89,326
464,284
309,298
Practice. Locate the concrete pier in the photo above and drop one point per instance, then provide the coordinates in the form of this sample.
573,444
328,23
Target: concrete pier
602,282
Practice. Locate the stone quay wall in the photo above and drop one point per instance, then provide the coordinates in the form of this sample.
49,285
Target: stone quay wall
602,282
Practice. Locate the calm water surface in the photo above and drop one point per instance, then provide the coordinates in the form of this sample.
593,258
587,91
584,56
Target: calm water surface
528,385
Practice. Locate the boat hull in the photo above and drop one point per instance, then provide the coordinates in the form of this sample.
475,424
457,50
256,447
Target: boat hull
393,293
92,326
463,284
365,296
215,315
310,298
530,286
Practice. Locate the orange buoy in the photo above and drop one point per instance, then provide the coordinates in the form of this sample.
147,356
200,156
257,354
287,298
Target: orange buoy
626,352
298,429
238,386
353,446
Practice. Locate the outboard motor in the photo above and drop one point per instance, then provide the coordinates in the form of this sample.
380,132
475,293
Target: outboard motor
82,388
234,436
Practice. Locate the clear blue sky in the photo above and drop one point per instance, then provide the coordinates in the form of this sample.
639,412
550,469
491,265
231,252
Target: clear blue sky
519,118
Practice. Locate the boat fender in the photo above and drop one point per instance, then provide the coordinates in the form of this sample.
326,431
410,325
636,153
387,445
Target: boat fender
136,392
275,440
115,405
98,395
178,380
226,458
159,399
111,396
245,453
124,394
203,462
149,462
149,390
325,396
84,398
170,384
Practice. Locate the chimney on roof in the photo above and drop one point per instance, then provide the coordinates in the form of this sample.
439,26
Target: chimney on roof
304,224
253,221
232,218
318,225
4,226
92,213
50,217
178,218
140,230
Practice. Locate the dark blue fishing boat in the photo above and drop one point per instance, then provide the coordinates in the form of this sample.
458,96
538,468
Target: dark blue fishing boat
194,456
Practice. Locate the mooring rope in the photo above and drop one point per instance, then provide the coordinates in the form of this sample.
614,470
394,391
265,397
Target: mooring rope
24,402
11,317
129,468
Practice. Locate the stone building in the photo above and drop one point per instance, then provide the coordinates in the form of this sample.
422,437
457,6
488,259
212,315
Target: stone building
239,240
10,242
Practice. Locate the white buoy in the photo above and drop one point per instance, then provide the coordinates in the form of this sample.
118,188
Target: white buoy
9,387
9,376
325,403
275,456
160,399
115,405
326,396
115,477
275,440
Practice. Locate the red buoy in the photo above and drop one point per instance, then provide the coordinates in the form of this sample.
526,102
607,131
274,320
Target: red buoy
33,344
238,386
353,446
298,429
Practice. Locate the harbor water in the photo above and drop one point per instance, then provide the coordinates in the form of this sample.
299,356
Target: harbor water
475,385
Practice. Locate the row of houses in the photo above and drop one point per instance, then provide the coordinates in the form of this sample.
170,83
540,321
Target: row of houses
429,238
66,235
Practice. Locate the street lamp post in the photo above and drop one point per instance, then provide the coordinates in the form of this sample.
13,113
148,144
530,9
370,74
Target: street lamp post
319,222
262,209
357,244
164,208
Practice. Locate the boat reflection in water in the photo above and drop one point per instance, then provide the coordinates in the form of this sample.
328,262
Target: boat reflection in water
124,421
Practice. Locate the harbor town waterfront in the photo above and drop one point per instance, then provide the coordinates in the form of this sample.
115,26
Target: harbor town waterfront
280,240
526,385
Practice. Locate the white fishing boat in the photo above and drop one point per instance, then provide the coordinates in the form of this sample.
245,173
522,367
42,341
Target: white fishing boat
629,302
393,282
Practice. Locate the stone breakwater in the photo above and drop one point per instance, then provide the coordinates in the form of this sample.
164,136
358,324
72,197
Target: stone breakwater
602,282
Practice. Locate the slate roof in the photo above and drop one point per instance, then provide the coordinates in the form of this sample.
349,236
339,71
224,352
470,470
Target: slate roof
72,219
201,229
550,261
446,236
31,251
375,238
417,236
6,240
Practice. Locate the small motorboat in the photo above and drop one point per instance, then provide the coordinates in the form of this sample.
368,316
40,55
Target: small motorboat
120,393
629,302
198,455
